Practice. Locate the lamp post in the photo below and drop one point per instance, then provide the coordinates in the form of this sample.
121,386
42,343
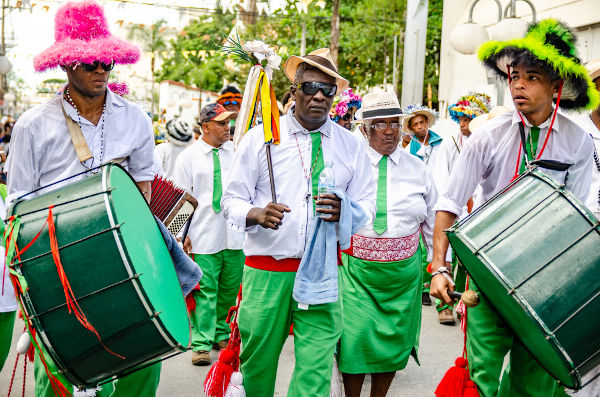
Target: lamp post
467,38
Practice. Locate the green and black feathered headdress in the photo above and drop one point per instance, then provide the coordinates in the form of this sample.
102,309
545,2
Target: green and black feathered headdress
553,43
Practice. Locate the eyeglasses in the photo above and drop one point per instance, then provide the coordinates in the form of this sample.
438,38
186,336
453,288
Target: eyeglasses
227,103
312,87
379,127
90,67
347,117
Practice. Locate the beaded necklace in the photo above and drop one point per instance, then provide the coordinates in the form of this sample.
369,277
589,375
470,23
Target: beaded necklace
102,119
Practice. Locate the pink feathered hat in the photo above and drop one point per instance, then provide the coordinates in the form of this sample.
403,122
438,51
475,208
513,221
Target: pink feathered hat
81,35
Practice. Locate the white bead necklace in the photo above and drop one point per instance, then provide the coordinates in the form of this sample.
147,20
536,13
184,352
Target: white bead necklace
102,119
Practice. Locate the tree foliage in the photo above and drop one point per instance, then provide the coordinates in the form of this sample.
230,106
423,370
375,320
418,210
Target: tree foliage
367,31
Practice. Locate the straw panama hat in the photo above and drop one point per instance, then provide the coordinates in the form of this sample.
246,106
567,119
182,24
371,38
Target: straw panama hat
81,35
377,105
321,59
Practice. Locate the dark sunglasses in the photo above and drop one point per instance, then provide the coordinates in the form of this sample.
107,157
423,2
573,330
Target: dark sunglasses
90,67
226,103
312,87
347,117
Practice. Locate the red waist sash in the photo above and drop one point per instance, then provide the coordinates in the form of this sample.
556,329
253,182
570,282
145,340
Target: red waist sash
273,265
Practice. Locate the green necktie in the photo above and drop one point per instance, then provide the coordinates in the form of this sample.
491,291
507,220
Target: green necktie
217,186
380,224
531,147
316,161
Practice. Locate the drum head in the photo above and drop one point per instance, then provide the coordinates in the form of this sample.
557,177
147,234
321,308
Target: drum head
147,254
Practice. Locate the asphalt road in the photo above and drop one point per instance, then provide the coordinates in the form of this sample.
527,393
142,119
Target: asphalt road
439,346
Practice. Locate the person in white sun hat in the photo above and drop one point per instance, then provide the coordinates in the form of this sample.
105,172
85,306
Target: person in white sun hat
381,271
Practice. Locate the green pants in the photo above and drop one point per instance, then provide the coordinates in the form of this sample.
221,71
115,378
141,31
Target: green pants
424,264
489,339
266,312
222,275
7,322
142,383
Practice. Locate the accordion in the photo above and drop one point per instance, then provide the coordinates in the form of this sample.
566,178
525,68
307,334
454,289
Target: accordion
171,204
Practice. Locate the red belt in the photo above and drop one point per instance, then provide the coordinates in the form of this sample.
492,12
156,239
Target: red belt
273,265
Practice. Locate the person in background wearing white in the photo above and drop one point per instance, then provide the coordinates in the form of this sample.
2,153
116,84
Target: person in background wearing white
179,136
203,169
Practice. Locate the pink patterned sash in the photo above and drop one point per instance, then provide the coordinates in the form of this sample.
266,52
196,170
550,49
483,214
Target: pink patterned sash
383,249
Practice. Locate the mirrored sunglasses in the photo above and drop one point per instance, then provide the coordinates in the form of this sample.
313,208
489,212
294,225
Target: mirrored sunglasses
90,67
226,103
312,87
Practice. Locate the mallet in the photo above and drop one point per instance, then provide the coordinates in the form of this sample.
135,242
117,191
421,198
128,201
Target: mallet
469,298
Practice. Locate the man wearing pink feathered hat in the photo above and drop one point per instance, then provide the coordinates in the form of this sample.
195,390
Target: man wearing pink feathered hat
114,129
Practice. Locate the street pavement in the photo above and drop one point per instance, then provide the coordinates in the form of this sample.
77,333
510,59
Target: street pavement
439,346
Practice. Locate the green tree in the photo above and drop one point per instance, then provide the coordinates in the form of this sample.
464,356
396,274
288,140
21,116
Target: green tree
367,30
153,42
204,34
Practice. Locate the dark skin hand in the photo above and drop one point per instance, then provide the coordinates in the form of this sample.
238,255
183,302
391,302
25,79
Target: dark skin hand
332,200
270,217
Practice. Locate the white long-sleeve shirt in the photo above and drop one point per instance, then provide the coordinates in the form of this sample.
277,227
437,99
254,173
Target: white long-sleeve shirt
411,196
167,153
249,187
193,172
42,152
593,200
490,158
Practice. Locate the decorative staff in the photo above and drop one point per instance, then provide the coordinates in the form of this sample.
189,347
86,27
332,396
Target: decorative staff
259,96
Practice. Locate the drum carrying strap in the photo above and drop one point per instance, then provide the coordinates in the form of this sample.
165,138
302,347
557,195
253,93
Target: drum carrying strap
81,147
548,164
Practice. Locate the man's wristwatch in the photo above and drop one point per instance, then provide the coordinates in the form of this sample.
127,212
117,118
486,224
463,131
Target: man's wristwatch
442,269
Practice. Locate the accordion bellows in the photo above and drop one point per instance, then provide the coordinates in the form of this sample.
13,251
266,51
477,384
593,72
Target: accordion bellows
171,204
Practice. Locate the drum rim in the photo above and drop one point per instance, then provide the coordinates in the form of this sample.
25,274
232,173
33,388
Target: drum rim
150,310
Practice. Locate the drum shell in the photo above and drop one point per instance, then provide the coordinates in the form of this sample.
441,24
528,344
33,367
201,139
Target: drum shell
534,251
110,285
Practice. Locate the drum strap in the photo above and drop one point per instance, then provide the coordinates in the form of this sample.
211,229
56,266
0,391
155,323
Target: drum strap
81,147
548,164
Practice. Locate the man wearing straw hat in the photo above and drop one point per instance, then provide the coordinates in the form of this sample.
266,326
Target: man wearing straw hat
542,68
381,270
277,233
42,150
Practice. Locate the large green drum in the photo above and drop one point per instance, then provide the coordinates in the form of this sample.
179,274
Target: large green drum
534,251
119,269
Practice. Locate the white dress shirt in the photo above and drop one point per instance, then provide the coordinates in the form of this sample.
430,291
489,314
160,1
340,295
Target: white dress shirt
593,200
42,152
430,153
411,196
194,170
490,158
249,186
167,153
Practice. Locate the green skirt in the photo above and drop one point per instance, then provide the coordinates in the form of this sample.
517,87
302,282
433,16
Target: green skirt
382,314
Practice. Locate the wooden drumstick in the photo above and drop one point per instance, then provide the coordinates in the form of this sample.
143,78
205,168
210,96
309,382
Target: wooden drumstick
469,298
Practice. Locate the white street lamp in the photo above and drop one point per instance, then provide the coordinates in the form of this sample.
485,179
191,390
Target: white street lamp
467,37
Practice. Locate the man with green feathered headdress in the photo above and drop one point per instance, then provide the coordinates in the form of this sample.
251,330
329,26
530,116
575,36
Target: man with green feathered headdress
544,74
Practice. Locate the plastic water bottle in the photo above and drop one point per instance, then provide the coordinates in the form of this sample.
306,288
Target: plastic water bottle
326,185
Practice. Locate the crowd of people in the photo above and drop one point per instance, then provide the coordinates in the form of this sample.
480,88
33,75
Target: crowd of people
345,272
